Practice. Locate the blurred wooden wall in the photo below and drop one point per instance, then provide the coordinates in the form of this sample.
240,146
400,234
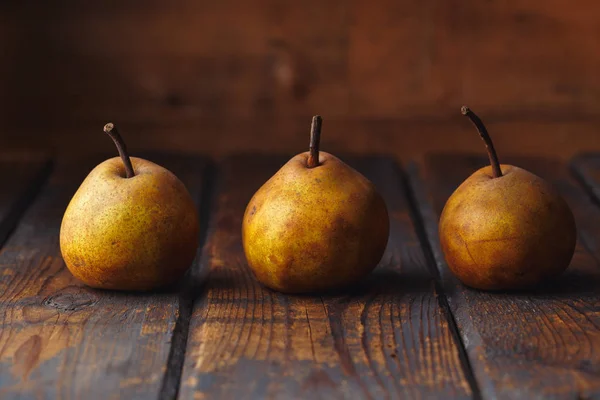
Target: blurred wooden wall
219,76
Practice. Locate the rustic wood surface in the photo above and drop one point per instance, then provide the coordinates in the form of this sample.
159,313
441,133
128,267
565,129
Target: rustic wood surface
59,339
388,338
411,330
542,343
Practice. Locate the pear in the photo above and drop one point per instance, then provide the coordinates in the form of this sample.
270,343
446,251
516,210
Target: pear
131,225
505,228
316,225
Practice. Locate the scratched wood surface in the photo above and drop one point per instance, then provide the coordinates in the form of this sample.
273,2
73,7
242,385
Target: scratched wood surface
61,340
388,338
543,343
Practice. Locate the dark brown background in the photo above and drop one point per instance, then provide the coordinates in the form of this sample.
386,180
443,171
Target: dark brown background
227,75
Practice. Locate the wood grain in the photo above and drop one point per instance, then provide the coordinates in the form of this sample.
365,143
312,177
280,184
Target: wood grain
386,338
542,343
60,339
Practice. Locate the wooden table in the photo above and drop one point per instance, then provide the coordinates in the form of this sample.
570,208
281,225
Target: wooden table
410,331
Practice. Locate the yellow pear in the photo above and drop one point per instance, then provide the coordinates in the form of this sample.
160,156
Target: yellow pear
131,225
504,227
317,224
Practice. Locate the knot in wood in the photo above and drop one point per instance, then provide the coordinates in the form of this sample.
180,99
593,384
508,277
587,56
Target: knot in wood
70,299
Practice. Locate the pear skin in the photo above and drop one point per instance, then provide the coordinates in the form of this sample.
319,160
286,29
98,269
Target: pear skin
314,229
506,233
505,228
129,233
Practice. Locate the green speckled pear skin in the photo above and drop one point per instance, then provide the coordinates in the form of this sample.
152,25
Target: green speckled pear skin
136,233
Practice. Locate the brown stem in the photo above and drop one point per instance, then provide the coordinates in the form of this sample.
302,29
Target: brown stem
111,130
486,138
315,139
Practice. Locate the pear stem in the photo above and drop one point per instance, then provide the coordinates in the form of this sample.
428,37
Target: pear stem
315,140
111,130
489,145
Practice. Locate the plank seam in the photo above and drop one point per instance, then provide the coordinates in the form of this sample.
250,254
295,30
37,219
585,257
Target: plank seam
419,223
191,289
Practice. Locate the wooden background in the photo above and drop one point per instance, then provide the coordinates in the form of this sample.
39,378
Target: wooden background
229,75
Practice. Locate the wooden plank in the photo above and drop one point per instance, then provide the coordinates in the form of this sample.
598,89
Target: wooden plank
541,343
60,339
389,338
